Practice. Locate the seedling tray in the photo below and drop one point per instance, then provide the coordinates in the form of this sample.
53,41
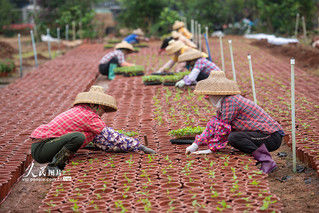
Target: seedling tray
130,74
150,83
162,73
182,141
169,83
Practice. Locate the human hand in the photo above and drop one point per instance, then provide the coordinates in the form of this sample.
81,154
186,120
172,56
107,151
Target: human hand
180,83
191,148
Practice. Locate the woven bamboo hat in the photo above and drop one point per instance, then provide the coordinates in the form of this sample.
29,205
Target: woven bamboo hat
96,95
173,47
190,55
175,34
124,45
178,24
216,84
138,32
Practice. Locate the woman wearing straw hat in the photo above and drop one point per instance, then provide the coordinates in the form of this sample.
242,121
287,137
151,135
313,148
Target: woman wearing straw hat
239,121
175,48
116,57
179,37
179,26
201,67
136,36
57,141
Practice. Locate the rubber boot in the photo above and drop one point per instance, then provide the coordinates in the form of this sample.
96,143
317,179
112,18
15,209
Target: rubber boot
58,162
146,150
263,156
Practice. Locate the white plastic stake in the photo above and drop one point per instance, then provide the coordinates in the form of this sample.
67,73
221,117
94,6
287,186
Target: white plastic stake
252,78
222,52
199,37
67,32
297,25
20,54
293,122
34,49
232,59
80,29
73,29
49,43
192,27
304,28
195,33
59,38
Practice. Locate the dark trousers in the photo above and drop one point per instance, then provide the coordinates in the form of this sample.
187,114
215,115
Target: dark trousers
45,150
248,142
201,76
104,68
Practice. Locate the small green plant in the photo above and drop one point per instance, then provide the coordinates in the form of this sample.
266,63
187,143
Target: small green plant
119,204
108,46
128,133
152,78
187,131
223,206
130,161
267,202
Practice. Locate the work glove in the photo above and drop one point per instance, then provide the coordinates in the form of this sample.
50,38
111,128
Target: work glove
192,148
180,83
202,152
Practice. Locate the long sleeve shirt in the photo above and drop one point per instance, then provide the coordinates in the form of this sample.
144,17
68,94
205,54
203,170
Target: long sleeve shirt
116,53
244,115
215,134
132,39
80,118
201,65
185,32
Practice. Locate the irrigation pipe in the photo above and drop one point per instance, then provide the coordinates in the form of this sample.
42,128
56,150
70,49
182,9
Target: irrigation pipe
222,52
293,122
252,78
232,59
34,49
20,54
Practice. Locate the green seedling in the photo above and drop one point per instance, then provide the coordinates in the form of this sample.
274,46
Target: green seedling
152,78
187,131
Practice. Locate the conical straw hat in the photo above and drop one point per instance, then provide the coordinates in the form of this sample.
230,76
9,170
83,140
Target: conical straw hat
175,34
174,47
96,95
216,84
178,24
190,55
124,45
138,32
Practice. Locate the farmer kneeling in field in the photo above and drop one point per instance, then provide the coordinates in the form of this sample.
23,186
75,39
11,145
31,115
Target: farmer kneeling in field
116,57
174,48
136,36
239,122
201,67
57,141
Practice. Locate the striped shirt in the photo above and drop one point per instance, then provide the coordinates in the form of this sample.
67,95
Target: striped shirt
80,118
116,53
244,115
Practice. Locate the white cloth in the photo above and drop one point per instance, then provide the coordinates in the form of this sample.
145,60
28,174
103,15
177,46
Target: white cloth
192,148
202,152
180,83
216,100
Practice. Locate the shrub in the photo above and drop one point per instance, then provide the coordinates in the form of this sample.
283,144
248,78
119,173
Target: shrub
7,66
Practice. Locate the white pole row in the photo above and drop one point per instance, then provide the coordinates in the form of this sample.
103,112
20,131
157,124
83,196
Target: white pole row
293,122
252,78
232,59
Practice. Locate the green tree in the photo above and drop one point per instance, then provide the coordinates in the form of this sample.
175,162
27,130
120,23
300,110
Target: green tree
6,14
141,13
